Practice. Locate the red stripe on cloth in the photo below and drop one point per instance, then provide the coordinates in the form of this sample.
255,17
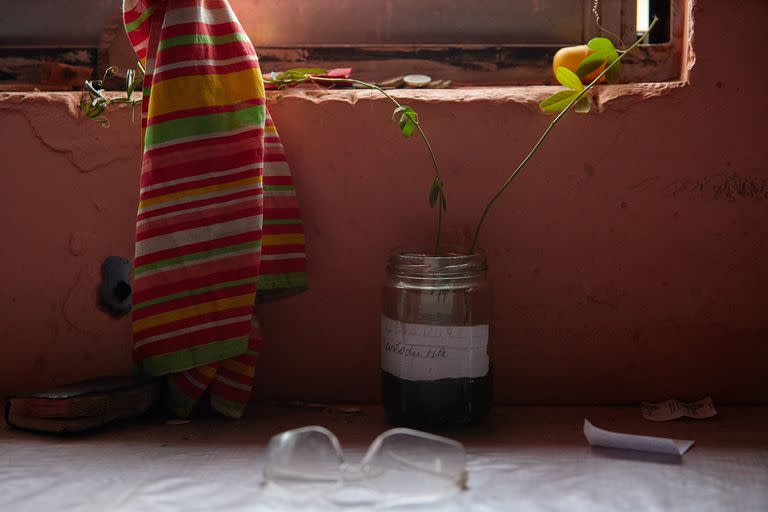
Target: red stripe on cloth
193,339
202,182
208,70
211,109
199,27
214,316
223,148
200,162
248,359
236,377
207,4
140,33
254,202
192,300
282,249
280,202
229,393
255,193
248,261
202,51
205,245
183,384
283,266
283,229
131,14
202,378
254,133
281,213
199,223
165,289
274,157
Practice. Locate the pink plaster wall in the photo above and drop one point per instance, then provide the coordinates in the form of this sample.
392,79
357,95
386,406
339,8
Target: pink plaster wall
628,261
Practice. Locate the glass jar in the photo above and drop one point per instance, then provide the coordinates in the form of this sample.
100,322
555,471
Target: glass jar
435,325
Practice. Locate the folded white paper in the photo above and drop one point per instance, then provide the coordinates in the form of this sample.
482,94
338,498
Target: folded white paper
672,409
599,437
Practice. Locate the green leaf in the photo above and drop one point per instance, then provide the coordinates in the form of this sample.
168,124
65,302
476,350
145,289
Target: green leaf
443,201
568,79
407,125
408,119
85,105
290,76
434,192
601,44
401,110
295,75
591,63
582,105
558,101
307,71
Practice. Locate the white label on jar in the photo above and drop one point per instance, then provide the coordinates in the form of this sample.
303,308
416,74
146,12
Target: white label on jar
432,352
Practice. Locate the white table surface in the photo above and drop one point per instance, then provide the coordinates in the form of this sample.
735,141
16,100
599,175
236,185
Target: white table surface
525,458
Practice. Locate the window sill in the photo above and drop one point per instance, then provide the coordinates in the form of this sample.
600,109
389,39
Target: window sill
525,95
618,95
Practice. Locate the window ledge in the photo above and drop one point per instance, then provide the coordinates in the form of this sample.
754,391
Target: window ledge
618,95
622,94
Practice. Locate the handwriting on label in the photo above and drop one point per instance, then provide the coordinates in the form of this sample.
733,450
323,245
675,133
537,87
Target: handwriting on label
429,352
415,351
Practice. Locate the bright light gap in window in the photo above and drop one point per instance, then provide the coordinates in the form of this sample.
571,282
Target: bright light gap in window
643,16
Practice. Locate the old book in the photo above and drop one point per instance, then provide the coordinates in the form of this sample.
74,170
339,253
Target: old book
82,406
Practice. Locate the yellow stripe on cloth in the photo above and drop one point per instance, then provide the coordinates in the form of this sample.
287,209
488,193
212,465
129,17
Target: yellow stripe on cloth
192,311
208,371
190,92
239,368
256,180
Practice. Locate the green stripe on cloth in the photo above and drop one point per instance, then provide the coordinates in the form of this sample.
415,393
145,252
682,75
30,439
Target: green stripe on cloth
204,125
275,188
180,295
130,27
195,356
227,408
197,256
201,39
293,280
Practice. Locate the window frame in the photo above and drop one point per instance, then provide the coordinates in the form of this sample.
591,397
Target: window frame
465,65
497,65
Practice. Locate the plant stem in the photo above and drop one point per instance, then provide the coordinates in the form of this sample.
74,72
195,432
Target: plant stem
546,133
421,132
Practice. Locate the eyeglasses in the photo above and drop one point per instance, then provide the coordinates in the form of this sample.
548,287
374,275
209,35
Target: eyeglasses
401,466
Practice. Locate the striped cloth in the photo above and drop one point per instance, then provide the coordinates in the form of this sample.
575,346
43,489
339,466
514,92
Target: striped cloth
218,218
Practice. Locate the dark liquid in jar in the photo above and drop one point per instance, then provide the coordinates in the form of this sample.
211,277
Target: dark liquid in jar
438,402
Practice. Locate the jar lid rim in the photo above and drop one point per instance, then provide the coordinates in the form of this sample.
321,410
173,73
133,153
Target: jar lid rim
452,261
